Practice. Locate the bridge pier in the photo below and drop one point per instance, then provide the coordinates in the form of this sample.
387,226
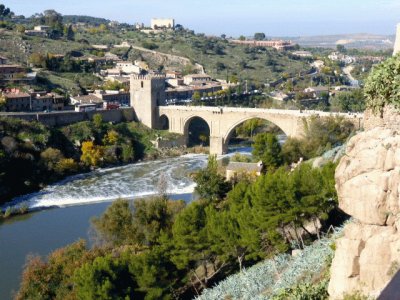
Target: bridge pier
217,145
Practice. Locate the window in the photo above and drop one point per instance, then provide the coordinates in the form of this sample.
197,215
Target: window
141,84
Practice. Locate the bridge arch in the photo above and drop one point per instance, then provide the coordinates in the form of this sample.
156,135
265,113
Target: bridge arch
202,127
231,129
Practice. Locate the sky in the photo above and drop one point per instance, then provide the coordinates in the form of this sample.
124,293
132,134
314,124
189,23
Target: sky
238,17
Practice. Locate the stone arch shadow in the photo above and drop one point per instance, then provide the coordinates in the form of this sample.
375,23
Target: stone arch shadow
186,126
163,122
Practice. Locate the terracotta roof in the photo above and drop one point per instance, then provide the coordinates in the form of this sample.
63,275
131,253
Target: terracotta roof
16,95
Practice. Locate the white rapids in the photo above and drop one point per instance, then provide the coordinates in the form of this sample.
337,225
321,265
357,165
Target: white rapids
130,181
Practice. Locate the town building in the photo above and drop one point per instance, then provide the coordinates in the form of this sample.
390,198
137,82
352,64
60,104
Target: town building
3,60
302,53
317,91
10,72
87,99
162,24
103,99
280,96
173,74
346,59
18,101
40,30
236,168
196,79
318,64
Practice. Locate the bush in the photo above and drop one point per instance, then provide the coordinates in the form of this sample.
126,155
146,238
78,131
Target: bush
382,86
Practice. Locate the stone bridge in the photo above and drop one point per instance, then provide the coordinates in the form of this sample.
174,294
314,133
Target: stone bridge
222,121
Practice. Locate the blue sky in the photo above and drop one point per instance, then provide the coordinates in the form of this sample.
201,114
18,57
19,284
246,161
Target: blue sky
274,18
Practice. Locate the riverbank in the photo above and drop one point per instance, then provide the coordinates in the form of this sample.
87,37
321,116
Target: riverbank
77,201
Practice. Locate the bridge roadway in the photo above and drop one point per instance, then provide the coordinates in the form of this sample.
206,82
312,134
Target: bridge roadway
222,121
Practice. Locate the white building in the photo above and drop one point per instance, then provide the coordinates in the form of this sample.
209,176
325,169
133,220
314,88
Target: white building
162,24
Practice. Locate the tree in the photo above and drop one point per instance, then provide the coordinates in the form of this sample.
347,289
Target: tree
37,60
196,96
259,36
115,226
20,28
341,48
105,278
92,155
191,245
266,148
69,33
98,120
211,186
50,158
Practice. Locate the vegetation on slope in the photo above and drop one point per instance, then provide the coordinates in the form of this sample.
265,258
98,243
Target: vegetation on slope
33,155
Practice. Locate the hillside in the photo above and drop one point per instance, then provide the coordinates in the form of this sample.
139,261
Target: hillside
220,58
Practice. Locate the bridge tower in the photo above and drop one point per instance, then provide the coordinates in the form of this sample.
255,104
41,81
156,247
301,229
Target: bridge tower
397,43
147,92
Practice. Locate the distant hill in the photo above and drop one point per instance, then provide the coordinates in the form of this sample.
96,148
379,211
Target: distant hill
85,19
359,40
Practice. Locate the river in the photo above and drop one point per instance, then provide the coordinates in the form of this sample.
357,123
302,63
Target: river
65,208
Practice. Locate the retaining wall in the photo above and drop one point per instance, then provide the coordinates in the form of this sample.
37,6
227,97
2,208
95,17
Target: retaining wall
70,117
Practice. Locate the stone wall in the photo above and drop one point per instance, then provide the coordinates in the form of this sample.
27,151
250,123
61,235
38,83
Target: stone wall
70,117
368,186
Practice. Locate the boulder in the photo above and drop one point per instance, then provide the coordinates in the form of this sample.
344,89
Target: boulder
367,257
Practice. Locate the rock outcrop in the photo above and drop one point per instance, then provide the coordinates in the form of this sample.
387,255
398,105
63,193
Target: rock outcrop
368,184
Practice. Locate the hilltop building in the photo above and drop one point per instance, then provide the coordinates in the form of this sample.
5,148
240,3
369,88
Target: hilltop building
162,23
397,43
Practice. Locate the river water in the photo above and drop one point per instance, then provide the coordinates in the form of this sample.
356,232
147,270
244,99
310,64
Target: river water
72,202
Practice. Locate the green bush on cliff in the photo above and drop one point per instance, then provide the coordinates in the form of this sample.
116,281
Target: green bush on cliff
382,87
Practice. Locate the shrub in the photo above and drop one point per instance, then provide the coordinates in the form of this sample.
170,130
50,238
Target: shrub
382,86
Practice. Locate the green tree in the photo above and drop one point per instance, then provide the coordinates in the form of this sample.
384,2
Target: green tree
115,226
259,36
382,85
105,278
191,248
341,48
37,60
20,28
98,120
69,33
211,186
196,96
266,148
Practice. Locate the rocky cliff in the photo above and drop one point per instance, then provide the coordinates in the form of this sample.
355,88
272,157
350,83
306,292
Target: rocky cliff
367,257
